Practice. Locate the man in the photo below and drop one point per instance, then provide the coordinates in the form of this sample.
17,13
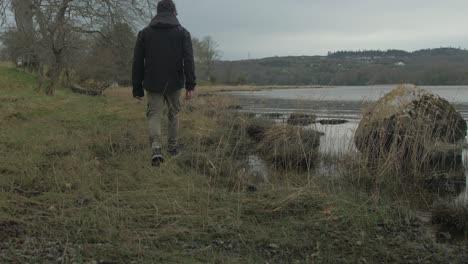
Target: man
163,64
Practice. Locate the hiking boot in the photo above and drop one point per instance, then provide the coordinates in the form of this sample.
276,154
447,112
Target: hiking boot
173,151
157,157
174,148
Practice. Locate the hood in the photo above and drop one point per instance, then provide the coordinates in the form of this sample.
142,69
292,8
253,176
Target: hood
165,20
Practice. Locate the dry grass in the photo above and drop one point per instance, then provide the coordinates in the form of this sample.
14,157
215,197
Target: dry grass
76,185
291,147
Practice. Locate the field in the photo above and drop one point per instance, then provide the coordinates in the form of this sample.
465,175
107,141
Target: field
76,186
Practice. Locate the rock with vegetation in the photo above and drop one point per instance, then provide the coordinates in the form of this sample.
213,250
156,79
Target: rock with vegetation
333,121
411,127
301,119
90,87
290,147
273,115
257,127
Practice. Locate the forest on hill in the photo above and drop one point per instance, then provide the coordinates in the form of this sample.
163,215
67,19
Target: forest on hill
441,66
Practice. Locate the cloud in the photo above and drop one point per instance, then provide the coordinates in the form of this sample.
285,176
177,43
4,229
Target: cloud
313,27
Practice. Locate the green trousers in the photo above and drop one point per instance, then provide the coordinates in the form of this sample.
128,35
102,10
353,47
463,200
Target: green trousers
154,114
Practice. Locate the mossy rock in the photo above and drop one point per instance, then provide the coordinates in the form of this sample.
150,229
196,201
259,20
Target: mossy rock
290,147
407,126
257,127
301,119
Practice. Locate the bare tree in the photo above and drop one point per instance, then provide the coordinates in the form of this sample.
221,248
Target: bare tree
206,53
58,22
21,38
5,7
210,54
109,60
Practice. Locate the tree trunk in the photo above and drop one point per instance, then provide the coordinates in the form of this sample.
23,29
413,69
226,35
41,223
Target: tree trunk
24,15
24,18
56,37
53,74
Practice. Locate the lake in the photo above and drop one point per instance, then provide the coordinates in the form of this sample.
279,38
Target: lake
343,102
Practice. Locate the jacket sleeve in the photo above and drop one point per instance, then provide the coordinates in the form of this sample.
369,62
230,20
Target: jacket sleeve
138,69
189,64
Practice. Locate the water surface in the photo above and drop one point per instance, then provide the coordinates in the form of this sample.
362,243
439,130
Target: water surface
339,102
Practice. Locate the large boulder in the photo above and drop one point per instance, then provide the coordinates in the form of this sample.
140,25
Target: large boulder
411,128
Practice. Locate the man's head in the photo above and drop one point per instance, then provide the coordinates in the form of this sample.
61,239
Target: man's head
167,6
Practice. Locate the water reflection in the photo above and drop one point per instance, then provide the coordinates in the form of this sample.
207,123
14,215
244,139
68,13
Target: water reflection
455,94
462,200
338,139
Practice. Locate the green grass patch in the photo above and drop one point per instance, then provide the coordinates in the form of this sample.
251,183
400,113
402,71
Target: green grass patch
12,78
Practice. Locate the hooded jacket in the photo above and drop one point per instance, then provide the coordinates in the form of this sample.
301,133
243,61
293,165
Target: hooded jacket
163,57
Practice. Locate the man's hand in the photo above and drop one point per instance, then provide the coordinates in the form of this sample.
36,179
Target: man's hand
188,95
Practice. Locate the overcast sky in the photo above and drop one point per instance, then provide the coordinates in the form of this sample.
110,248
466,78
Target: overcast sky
264,28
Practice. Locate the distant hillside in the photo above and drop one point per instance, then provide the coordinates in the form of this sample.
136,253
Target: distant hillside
442,66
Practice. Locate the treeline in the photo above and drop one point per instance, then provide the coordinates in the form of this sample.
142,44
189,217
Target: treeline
368,53
442,66
393,53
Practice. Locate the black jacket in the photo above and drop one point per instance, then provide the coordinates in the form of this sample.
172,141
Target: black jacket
163,59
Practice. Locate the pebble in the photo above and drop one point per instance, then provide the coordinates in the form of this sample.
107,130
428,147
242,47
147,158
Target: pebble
275,246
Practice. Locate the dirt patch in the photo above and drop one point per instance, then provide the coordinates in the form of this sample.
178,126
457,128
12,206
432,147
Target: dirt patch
452,221
4,171
16,116
10,229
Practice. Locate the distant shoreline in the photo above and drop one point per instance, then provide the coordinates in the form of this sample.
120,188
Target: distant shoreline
126,91
253,88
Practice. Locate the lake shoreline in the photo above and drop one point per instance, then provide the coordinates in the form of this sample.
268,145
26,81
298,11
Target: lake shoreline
248,88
